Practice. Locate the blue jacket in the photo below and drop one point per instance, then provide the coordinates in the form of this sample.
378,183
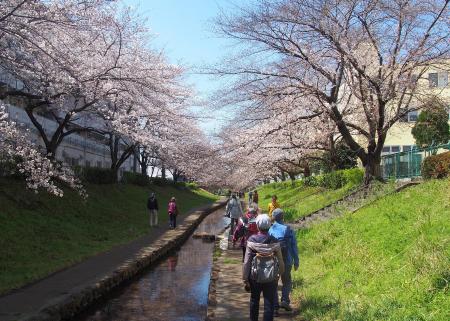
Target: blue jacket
283,233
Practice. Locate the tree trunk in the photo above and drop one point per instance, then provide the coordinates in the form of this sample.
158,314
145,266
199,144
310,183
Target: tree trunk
292,177
372,169
144,168
306,171
163,172
283,176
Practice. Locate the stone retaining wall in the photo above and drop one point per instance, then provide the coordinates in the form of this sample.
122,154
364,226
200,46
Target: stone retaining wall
68,306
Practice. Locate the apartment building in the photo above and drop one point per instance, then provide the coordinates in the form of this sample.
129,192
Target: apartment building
399,138
86,150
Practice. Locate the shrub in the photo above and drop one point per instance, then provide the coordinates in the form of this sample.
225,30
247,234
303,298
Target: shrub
311,181
96,175
136,179
333,180
158,181
436,166
354,176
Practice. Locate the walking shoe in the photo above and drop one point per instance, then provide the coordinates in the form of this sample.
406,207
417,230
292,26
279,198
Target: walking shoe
286,306
276,313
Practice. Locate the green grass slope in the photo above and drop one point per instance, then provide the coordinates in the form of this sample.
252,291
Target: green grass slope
388,261
299,200
40,234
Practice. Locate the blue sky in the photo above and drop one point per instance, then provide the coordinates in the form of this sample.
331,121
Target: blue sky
183,30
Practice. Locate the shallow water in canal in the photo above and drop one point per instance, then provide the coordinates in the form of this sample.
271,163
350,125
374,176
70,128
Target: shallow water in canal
176,289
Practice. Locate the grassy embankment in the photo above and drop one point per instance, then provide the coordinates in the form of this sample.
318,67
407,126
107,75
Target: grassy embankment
40,234
388,261
299,200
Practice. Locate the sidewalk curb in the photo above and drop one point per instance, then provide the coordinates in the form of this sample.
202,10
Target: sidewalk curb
69,305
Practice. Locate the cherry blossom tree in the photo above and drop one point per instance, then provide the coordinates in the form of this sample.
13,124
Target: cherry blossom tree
359,60
39,171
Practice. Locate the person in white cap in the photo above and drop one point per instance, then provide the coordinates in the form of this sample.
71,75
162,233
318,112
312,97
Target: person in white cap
261,247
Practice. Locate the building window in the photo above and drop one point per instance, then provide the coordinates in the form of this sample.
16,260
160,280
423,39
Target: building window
386,149
407,148
395,149
438,79
412,116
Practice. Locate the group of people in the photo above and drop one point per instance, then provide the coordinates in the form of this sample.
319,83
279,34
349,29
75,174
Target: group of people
172,211
268,242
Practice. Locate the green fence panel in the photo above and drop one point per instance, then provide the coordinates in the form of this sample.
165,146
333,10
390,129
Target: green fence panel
408,164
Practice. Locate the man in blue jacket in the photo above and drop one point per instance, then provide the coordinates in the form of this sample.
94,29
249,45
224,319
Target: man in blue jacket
285,235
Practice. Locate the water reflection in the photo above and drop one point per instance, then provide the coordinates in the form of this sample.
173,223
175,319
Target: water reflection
176,289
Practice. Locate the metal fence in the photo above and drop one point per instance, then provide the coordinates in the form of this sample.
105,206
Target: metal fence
408,164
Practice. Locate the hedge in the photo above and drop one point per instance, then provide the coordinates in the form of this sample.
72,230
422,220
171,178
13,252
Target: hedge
336,179
436,166
136,179
96,175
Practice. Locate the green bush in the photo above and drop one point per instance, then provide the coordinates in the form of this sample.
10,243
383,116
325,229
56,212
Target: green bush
96,175
336,179
311,181
355,176
333,180
436,166
158,181
136,179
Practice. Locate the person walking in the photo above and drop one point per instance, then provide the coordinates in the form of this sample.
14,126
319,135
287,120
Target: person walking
250,197
288,243
234,211
245,228
172,209
255,197
273,205
262,247
152,206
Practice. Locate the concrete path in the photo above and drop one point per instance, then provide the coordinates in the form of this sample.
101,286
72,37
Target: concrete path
32,298
232,300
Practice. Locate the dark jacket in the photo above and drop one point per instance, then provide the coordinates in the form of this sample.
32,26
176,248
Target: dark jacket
152,203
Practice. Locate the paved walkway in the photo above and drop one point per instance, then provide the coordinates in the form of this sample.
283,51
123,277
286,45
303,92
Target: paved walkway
32,298
232,300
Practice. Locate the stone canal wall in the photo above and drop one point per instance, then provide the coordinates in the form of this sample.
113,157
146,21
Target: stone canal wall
68,306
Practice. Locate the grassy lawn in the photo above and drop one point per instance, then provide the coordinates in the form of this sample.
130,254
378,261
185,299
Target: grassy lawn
298,200
388,261
41,234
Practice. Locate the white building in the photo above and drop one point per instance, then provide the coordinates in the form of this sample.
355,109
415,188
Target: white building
86,150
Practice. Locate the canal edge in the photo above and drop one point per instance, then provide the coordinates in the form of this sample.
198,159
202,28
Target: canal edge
67,307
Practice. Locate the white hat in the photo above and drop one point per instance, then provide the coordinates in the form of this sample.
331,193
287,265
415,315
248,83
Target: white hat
263,222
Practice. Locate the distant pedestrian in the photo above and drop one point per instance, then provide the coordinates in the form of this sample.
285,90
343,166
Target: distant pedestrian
172,209
288,243
273,205
262,265
255,197
245,228
152,206
234,211
250,197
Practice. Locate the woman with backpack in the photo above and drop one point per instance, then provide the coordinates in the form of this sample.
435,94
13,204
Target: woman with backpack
234,211
246,227
263,264
172,209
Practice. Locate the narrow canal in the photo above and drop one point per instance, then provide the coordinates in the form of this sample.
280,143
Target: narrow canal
174,290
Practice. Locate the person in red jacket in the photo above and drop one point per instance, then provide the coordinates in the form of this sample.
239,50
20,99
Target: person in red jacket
246,227
172,209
